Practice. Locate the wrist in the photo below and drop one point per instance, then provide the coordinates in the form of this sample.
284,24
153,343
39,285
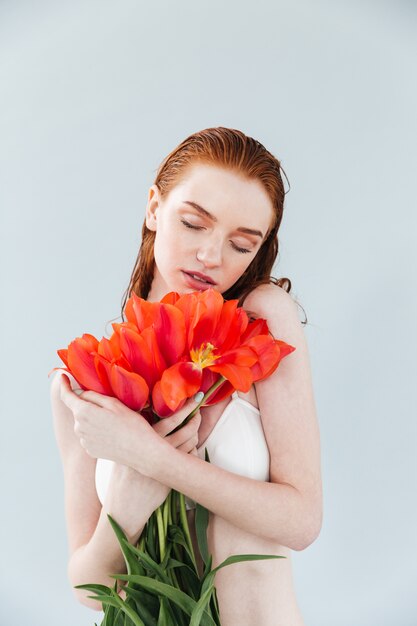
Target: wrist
149,457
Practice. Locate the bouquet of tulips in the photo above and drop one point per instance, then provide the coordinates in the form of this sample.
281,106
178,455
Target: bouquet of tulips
163,354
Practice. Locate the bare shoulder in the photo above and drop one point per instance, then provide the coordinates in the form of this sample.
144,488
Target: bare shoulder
278,308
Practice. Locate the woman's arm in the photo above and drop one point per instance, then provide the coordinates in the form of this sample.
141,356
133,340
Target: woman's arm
131,498
130,502
289,508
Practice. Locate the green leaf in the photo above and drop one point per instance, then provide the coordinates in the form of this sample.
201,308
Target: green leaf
163,619
131,563
156,569
94,587
181,599
185,528
109,616
191,581
115,600
201,524
214,606
236,558
150,537
176,535
119,619
167,556
147,611
200,607
207,569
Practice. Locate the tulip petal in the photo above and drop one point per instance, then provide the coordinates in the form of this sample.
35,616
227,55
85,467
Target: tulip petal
242,356
170,298
90,342
285,348
129,388
103,369
160,407
81,365
222,392
229,326
145,312
136,351
270,352
140,312
180,381
63,355
240,377
109,350
169,329
157,362
207,315
257,327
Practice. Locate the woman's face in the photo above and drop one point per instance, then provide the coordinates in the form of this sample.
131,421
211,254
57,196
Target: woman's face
208,229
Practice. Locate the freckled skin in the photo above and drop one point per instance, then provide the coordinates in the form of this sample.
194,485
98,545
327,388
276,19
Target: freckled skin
213,248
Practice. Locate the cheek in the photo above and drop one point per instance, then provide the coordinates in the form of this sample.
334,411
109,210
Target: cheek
238,267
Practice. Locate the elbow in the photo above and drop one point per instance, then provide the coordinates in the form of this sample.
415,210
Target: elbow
306,539
309,532
81,595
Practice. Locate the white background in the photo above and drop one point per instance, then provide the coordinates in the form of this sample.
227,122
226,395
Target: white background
93,96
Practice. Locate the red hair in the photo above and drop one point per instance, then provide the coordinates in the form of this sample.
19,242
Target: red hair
232,149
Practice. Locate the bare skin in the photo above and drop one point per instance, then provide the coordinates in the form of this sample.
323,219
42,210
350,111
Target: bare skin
239,586
274,517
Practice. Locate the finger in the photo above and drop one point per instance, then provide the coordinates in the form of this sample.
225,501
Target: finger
185,433
168,424
71,396
189,445
162,429
106,402
68,397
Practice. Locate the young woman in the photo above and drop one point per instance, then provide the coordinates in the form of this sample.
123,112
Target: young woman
212,219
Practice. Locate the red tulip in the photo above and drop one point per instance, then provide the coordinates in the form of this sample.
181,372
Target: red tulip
219,339
167,351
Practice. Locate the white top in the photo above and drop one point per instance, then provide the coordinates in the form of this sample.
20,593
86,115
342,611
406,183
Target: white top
236,443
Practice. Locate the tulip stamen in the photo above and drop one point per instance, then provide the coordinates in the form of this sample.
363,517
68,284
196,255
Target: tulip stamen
203,356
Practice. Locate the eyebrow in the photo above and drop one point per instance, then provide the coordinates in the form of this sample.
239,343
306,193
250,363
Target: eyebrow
242,229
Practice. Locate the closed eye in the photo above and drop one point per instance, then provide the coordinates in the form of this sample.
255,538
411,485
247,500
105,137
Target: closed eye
234,246
188,225
239,249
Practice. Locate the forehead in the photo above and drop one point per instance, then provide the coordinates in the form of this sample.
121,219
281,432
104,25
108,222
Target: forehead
224,192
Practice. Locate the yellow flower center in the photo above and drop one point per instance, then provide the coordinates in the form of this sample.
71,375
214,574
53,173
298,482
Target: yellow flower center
203,356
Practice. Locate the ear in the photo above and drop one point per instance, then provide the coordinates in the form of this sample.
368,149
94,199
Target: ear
152,207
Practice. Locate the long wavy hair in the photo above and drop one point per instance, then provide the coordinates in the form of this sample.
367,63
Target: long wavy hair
232,149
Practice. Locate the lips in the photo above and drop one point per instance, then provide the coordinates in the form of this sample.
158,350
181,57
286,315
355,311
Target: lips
202,279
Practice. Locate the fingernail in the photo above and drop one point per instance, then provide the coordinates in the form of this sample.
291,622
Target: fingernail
198,396
78,391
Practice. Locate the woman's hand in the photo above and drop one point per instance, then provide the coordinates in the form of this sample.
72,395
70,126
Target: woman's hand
144,487
108,429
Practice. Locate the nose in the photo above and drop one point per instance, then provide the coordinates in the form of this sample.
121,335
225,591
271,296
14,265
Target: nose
210,253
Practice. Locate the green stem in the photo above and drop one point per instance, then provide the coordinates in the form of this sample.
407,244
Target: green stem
169,508
165,513
161,532
141,542
185,528
207,395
